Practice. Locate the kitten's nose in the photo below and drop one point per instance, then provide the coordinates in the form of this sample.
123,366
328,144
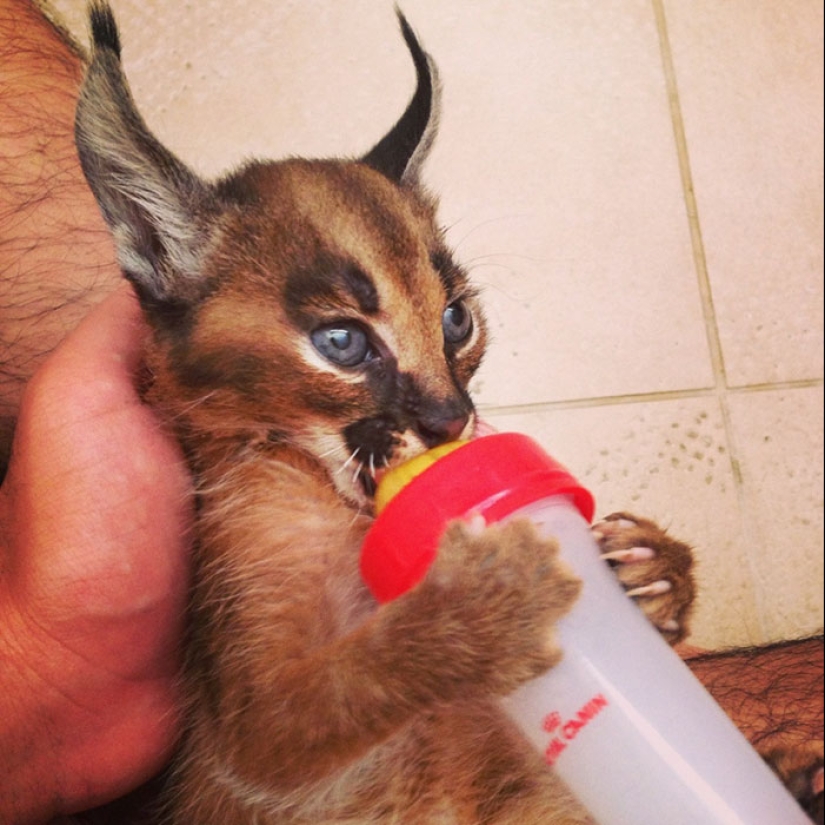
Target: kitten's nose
444,422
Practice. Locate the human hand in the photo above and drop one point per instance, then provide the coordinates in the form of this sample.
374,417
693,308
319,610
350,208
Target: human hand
94,521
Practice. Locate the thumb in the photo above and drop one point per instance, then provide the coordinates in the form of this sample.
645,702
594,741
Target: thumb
100,503
95,513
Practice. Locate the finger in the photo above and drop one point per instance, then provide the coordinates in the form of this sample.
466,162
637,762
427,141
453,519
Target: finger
102,496
95,513
97,362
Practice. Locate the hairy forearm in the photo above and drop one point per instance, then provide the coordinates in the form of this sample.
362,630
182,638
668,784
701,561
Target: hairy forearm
774,693
56,256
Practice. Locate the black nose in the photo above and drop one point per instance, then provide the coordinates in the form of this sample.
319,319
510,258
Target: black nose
442,422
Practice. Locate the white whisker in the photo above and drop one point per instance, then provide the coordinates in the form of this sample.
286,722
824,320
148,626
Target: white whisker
350,459
191,405
336,449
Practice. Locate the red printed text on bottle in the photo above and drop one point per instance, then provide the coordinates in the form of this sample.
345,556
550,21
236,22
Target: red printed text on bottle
565,731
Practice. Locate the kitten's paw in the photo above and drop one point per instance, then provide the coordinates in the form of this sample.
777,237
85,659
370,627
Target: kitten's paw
496,593
654,569
800,767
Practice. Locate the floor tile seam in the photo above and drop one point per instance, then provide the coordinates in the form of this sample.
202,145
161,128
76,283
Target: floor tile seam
713,336
689,194
595,401
775,386
654,396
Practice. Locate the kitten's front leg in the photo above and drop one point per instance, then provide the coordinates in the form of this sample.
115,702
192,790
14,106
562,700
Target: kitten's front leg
479,624
486,610
654,569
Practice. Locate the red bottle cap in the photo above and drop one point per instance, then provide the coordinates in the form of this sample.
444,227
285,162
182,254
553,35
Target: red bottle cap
494,476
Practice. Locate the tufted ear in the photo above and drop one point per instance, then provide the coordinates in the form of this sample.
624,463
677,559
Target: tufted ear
400,154
157,208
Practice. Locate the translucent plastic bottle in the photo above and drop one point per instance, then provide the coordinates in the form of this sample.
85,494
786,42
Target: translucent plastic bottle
621,719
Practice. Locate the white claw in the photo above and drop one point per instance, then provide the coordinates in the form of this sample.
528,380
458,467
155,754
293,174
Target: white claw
671,625
630,555
654,589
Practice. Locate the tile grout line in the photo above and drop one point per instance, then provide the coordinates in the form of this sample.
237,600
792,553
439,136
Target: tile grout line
706,295
689,193
593,401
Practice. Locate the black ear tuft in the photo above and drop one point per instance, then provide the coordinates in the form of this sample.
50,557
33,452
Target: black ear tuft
104,28
158,210
400,153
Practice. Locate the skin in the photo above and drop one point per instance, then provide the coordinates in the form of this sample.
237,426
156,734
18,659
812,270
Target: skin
94,578
775,693
57,259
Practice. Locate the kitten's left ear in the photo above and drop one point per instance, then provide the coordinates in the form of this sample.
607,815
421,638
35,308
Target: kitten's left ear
159,211
402,151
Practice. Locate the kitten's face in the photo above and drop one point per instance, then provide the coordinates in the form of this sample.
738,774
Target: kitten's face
305,303
336,321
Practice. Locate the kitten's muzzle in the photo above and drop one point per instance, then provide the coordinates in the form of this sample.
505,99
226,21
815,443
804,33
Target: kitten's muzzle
441,428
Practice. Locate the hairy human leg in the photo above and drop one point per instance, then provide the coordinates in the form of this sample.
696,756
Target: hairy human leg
56,255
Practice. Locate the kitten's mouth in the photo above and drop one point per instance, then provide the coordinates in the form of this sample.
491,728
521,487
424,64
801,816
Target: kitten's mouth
370,477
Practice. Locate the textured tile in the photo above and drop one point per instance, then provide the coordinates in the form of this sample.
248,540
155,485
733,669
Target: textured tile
559,182
221,82
779,438
668,461
749,75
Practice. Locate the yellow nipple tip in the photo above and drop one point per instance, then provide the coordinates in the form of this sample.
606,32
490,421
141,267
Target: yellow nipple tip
394,480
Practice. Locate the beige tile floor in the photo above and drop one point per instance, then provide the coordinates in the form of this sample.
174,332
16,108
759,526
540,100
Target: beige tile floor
638,187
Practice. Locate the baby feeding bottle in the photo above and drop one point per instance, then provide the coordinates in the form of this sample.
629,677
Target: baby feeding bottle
620,718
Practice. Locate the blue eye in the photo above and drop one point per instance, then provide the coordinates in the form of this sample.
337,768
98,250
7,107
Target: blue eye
457,323
344,344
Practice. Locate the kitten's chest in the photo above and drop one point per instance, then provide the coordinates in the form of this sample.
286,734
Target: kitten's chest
278,544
